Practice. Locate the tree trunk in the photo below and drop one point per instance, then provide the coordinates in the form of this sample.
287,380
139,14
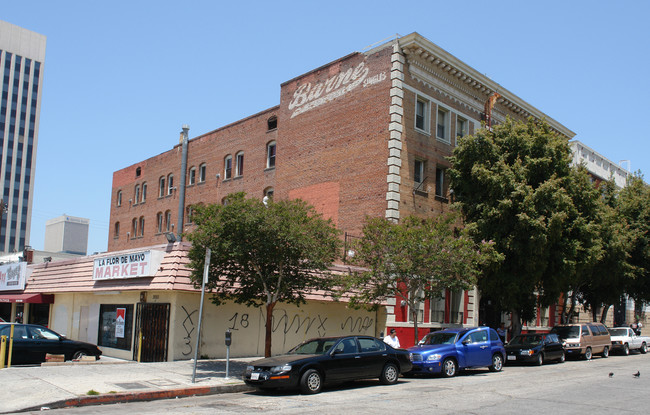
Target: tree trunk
563,314
603,316
515,323
415,325
269,326
594,313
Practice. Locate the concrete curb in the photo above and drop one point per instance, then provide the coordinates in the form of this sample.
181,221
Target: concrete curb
140,396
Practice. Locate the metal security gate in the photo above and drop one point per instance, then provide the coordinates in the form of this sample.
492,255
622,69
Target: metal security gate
152,321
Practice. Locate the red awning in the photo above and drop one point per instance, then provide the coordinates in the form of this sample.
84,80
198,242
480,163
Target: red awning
27,298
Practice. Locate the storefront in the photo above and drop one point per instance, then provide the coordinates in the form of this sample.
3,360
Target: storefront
115,300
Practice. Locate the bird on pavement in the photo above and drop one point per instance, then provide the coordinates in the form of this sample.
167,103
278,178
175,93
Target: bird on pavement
637,374
611,374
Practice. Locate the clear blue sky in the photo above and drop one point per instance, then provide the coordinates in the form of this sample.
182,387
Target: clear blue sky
122,77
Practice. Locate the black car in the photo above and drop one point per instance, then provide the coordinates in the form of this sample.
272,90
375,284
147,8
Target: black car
32,342
534,348
315,362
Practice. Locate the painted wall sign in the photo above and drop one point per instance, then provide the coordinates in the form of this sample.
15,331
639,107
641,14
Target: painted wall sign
132,265
12,276
308,96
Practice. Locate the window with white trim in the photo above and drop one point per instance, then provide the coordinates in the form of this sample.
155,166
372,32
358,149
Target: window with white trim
134,227
161,186
442,125
159,222
270,155
227,171
191,176
422,114
136,197
440,182
202,173
144,192
170,184
168,220
119,198
239,166
141,226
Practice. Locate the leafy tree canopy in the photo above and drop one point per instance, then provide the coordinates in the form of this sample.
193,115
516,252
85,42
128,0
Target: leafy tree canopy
514,185
263,254
415,259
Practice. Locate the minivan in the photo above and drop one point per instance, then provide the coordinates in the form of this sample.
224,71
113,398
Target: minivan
584,339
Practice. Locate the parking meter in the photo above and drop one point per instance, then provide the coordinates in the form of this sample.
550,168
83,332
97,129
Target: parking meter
228,342
228,338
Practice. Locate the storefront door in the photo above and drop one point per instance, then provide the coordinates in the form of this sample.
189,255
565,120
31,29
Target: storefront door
152,321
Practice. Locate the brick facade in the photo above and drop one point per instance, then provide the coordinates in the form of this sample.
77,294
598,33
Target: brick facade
366,135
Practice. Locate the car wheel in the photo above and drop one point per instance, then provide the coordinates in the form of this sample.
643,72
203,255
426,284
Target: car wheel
497,363
605,353
588,353
644,348
540,360
390,374
562,358
449,368
311,382
79,354
626,349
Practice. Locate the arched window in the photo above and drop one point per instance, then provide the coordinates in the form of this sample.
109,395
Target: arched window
270,155
144,192
141,225
134,227
159,222
170,184
189,213
161,186
136,195
116,232
138,171
268,192
239,165
119,198
202,173
272,123
191,176
227,171
168,220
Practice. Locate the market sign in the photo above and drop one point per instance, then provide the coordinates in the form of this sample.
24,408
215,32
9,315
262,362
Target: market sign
12,276
131,265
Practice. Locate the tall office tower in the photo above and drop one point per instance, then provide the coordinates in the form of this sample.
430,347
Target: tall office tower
22,53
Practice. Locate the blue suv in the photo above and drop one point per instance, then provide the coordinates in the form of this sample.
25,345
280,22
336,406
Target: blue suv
447,351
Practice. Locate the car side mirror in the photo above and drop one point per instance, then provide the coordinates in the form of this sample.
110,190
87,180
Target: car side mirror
466,342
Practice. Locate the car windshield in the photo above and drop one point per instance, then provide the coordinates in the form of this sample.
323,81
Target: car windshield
440,338
618,332
527,339
315,346
566,332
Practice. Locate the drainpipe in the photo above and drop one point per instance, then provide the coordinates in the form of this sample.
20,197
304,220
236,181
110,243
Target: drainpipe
181,199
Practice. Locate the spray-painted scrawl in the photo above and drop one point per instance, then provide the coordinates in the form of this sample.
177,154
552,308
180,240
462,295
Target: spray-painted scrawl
309,96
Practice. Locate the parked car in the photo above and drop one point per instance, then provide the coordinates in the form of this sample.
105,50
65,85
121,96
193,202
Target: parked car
447,351
625,339
584,340
535,348
316,362
32,342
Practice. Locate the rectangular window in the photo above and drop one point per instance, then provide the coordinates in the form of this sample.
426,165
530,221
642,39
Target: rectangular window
202,173
461,127
191,179
440,182
442,122
170,184
159,219
113,332
270,160
418,172
228,169
144,192
437,306
421,114
162,189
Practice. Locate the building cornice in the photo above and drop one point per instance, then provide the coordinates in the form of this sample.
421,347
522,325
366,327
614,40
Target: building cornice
433,65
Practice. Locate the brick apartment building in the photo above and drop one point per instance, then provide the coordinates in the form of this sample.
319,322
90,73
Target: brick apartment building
367,134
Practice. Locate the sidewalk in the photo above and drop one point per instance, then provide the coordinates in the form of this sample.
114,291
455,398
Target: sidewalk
59,385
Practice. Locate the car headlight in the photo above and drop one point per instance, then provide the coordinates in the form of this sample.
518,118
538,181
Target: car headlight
280,369
435,356
573,344
617,342
249,369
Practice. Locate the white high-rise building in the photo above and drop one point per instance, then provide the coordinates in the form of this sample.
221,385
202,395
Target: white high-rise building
22,53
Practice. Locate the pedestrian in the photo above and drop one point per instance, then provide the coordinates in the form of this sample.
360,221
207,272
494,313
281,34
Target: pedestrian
392,339
502,332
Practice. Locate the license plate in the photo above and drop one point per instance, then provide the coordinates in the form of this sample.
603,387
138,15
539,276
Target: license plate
255,376
512,357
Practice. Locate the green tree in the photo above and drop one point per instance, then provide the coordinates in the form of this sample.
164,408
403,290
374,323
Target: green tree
263,254
634,206
413,260
513,185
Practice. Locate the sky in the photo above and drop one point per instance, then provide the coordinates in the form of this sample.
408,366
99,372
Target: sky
122,77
